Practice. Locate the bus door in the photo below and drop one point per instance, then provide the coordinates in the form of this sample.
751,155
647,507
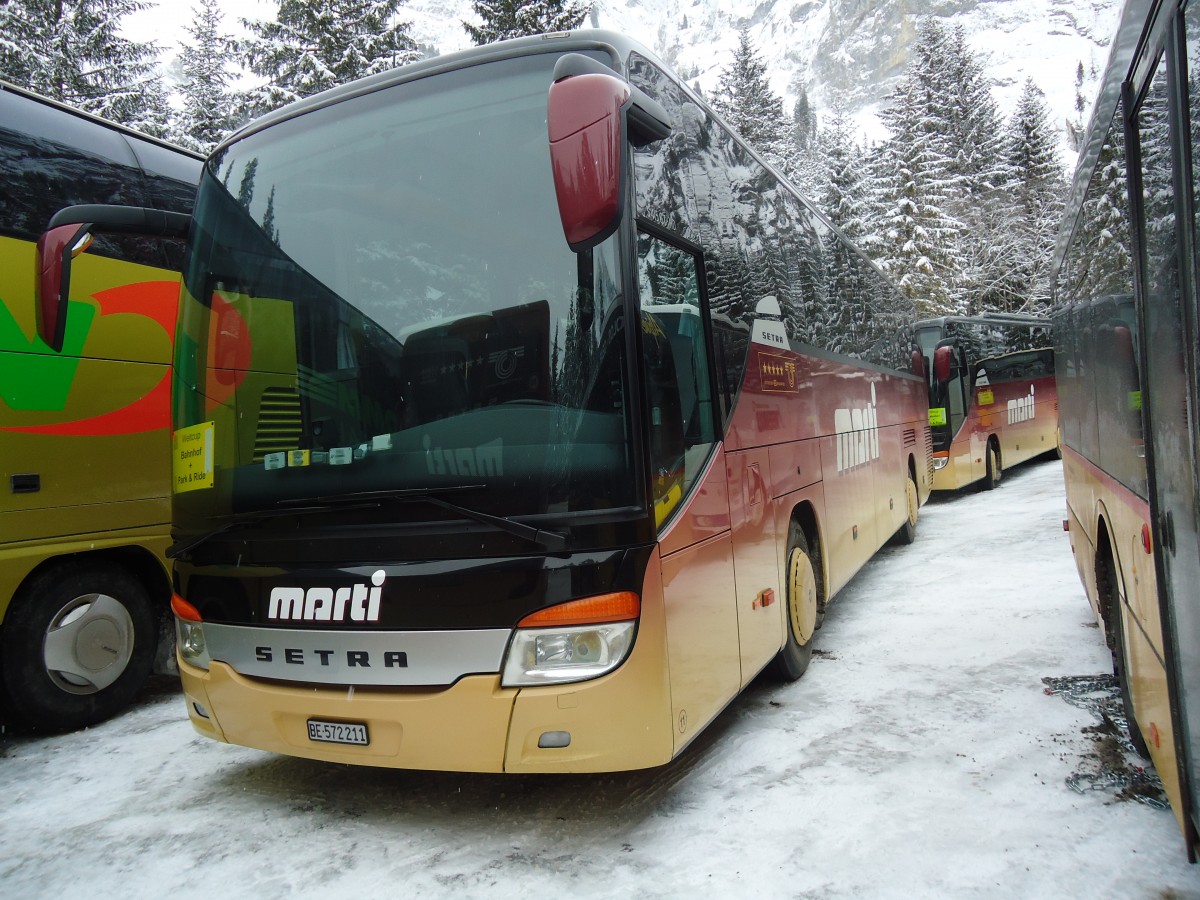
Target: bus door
1170,336
691,502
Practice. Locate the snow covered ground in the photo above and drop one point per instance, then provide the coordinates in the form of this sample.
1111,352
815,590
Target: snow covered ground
919,757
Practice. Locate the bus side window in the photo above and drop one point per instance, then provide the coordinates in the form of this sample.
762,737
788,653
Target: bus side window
681,414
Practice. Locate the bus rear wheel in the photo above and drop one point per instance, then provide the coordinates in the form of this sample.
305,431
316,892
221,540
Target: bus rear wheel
1118,644
78,643
803,602
908,531
994,472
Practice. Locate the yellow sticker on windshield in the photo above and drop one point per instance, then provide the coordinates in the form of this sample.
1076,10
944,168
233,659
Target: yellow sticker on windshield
937,416
192,458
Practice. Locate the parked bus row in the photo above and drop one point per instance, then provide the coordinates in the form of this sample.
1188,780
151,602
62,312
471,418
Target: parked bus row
1125,283
84,427
569,486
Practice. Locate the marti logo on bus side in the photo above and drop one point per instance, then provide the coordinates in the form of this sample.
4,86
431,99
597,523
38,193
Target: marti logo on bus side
857,433
325,604
1022,409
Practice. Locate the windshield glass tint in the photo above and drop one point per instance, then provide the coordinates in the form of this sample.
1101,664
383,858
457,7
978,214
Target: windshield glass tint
380,297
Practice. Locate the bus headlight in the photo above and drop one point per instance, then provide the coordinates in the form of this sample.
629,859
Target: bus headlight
560,655
192,649
940,461
572,641
189,634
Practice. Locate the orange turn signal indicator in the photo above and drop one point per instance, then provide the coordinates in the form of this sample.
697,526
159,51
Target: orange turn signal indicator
617,607
184,610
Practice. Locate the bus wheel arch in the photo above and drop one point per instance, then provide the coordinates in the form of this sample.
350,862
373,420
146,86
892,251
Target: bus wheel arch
1108,588
79,640
804,596
993,465
907,532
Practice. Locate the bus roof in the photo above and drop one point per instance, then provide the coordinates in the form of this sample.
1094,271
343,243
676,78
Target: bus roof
614,43
987,318
98,120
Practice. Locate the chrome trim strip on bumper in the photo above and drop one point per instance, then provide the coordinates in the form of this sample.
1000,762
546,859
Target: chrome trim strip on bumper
384,658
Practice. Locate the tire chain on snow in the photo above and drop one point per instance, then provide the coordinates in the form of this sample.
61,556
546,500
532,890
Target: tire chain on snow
1101,696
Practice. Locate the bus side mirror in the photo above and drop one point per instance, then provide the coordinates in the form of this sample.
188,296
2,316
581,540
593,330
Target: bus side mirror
70,233
941,365
55,250
918,363
590,113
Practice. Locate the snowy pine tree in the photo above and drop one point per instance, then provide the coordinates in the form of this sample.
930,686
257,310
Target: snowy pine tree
914,181
805,165
915,239
1038,191
207,114
948,221
1033,152
974,132
504,19
745,100
314,45
845,198
804,121
73,51
977,173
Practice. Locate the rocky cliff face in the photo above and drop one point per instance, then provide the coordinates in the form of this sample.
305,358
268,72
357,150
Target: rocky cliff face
845,48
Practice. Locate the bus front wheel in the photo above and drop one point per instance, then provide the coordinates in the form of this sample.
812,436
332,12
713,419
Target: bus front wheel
803,602
78,643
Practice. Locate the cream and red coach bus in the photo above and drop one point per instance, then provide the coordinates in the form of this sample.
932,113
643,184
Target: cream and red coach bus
1127,333
523,415
993,402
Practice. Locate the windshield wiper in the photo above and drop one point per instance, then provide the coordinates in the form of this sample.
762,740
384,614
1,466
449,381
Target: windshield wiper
179,548
551,540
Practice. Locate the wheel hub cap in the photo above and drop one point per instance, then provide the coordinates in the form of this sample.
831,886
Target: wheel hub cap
88,644
802,596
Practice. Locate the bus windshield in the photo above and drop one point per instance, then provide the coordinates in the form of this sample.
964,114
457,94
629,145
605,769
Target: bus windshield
379,297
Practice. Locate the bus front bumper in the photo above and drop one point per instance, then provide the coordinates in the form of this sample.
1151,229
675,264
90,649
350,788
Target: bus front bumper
613,723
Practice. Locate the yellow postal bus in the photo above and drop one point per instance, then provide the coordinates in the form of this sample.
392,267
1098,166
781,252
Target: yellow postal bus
84,428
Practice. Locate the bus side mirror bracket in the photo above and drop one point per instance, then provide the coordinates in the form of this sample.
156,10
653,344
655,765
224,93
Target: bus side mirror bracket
590,112
70,233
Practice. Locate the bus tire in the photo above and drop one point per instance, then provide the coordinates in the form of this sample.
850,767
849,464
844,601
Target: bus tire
1118,645
907,533
803,605
994,471
77,645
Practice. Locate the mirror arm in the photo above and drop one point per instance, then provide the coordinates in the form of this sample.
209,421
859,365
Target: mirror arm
648,119
124,220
